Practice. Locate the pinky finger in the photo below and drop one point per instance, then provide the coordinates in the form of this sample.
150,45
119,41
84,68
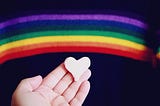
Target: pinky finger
81,94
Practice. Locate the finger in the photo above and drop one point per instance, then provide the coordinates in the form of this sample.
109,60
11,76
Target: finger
81,94
29,84
59,101
71,91
54,77
63,83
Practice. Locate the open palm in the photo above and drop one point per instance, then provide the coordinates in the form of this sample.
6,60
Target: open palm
58,88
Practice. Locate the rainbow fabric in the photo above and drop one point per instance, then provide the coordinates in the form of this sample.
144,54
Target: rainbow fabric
91,33
158,50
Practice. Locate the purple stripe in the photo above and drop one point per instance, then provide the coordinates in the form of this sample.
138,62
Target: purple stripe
73,17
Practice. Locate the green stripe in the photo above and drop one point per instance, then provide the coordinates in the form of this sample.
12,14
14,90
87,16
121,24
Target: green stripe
75,32
158,49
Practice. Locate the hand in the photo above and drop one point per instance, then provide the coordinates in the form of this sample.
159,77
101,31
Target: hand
56,89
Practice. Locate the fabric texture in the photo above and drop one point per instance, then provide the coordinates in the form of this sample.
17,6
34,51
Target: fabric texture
38,34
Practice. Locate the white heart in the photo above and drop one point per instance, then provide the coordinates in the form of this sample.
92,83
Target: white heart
77,67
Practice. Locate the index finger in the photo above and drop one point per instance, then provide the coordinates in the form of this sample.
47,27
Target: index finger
54,77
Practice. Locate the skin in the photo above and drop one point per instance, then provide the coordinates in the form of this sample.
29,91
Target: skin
58,88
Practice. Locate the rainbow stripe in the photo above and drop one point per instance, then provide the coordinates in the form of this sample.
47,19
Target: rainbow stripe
158,51
158,54
52,33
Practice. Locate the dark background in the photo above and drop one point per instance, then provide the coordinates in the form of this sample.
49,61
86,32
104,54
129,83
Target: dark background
122,82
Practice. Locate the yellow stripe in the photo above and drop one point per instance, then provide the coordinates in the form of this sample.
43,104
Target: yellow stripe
97,39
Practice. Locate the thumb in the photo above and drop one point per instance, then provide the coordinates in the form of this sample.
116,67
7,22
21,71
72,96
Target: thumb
29,84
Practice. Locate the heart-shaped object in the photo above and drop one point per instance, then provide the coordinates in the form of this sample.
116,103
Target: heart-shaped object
77,67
